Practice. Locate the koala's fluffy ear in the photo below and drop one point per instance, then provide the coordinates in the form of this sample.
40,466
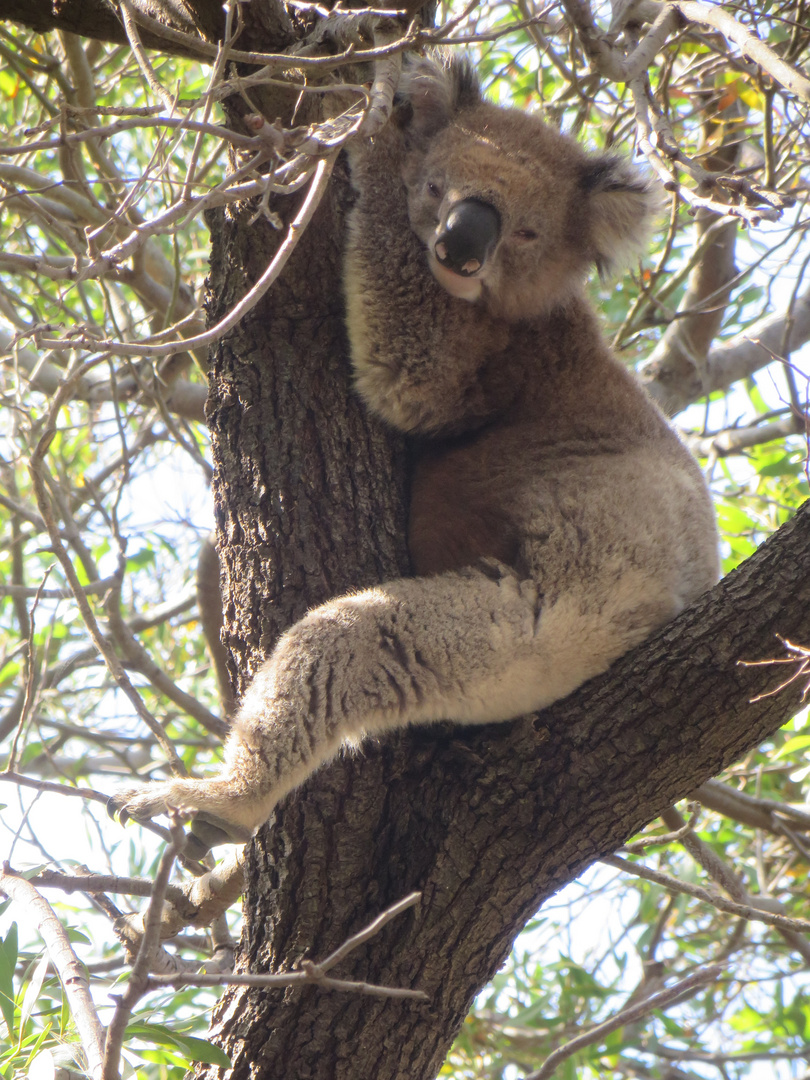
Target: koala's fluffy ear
432,88
623,206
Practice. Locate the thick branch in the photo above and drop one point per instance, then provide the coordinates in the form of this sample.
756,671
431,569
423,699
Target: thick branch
506,815
97,19
736,440
196,903
685,343
676,385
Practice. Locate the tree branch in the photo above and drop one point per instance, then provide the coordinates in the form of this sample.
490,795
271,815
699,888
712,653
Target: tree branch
198,902
312,972
749,45
70,969
736,440
748,911
730,361
137,984
663,999
97,19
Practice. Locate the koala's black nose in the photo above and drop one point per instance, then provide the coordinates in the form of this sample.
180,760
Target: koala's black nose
470,234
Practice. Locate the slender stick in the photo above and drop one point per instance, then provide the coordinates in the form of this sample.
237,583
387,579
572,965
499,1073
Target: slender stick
249,300
139,978
310,972
629,1015
745,911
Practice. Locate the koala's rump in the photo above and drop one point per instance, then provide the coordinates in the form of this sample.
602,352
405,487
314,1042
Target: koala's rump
575,518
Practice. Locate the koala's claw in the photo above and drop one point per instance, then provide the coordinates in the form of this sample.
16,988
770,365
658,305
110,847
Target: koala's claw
137,804
116,808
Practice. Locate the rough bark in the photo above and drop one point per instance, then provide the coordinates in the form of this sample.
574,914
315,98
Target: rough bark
486,822
97,19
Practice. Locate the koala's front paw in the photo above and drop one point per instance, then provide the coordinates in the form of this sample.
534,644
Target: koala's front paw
208,828
141,803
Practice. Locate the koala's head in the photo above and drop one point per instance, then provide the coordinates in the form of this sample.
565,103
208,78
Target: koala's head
512,213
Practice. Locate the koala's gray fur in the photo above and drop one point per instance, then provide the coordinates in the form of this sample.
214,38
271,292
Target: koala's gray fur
556,519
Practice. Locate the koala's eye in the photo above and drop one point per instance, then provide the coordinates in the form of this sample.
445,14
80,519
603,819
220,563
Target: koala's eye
433,189
524,234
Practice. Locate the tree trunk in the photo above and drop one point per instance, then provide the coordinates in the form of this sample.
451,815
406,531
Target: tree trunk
486,822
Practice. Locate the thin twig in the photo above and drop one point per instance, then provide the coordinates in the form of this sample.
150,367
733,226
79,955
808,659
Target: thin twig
800,657
373,928
30,682
749,45
310,975
140,55
249,300
664,998
93,883
36,468
137,985
744,911
89,794
311,972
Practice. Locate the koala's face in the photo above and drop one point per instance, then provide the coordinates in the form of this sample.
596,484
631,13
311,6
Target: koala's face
495,210
512,214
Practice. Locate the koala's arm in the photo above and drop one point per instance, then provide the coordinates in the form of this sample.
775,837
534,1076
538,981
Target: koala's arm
417,352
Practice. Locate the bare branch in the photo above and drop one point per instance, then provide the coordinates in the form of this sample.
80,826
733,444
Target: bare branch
386,80
763,812
744,911
798,657
70,969
139,977
731,360
311,972
370,931
249,300
89,794
93,883
199,902
37,472
139,52
671,996
749,45
736,440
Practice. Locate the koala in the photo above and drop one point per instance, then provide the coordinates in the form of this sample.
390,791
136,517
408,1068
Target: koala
556,519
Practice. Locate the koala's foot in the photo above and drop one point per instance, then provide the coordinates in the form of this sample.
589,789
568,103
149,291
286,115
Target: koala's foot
208,827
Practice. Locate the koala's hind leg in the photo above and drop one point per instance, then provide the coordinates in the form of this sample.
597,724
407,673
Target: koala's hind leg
467,646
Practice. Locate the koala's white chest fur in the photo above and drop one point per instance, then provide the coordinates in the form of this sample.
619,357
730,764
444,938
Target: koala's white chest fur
555,518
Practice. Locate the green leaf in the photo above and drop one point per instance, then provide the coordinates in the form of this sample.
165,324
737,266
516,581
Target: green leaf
785,466
8,961
194,1048
77,935
798,742
201,1050
33,990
